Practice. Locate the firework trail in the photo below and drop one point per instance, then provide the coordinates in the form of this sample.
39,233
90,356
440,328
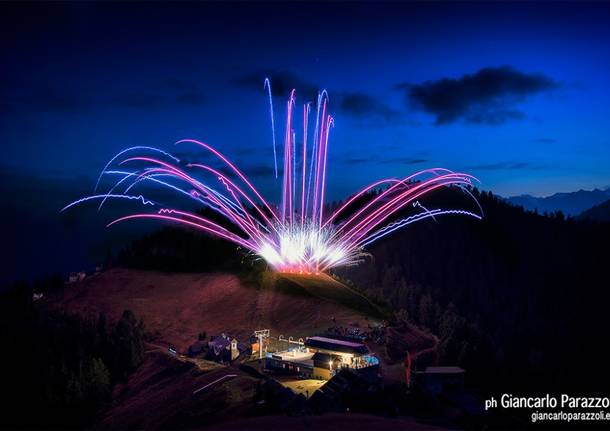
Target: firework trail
267,85
295,236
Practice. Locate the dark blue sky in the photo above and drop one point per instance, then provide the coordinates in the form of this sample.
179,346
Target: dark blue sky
82,81
515,93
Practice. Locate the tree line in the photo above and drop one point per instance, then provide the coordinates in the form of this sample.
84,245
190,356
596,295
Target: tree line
519,299
58,369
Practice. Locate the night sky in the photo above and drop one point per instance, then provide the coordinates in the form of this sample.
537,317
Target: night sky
514,93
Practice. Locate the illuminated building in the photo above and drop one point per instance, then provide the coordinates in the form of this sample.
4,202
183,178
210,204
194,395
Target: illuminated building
321,357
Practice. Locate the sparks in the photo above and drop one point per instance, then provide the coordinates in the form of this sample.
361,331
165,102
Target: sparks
296,236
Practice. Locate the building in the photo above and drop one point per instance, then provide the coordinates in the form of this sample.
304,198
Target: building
333,354
297,361
321,358
223,348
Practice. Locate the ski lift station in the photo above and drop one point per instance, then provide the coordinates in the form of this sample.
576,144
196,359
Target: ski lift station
321,358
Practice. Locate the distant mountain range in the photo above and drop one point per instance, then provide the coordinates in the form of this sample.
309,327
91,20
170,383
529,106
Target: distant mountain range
573,203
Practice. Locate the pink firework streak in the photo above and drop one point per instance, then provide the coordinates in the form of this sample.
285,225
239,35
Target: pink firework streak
297,235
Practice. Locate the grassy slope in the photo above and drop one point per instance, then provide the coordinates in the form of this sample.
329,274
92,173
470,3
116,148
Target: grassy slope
176,307
159,395
327,288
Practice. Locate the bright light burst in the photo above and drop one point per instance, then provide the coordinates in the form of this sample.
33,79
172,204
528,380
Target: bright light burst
295,236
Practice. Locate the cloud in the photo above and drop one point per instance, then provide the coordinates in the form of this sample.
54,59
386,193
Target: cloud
17,94
61,103
485,97
355,104
403,161
357,160
51,100
196,154
252,171
262,171
44,97
282,83
384,161
250,166
504,166
359,104
187,92
163,92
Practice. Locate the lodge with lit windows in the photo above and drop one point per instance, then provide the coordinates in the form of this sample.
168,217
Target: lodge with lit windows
322,357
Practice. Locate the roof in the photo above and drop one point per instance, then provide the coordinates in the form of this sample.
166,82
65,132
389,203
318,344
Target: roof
336,345
219,343
444,370
293,355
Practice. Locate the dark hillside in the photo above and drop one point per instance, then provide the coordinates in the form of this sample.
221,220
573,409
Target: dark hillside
518,298
599,212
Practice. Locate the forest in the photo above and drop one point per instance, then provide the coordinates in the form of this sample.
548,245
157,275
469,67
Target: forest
61,366
519,299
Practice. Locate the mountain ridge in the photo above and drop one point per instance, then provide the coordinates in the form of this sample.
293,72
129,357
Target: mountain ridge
600,212
570,203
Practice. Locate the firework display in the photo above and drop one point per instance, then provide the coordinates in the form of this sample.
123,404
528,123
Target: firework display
296,235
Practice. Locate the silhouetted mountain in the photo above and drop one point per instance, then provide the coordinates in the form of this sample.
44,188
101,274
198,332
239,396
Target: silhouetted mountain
572,203
599,212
